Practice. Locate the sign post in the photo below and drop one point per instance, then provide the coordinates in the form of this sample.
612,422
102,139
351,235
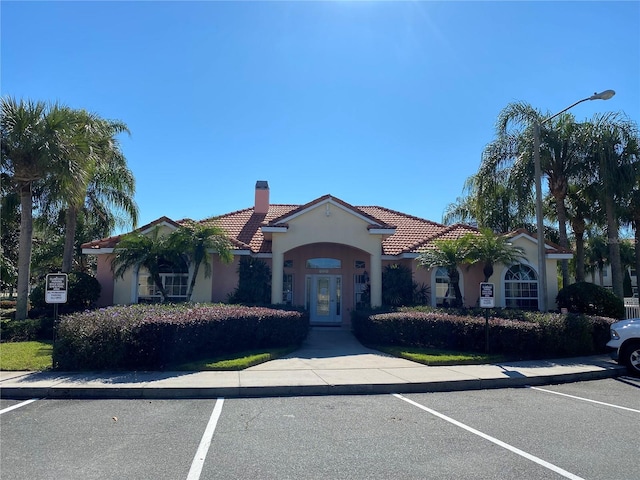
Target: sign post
487,301
55,291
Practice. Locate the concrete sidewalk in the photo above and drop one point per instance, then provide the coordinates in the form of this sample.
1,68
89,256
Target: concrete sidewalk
330,362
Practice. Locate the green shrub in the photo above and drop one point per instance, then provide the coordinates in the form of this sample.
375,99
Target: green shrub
83,292
159,335
26,330
535,335
590,299
254,283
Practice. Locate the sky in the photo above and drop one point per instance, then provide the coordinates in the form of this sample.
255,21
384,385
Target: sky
376,103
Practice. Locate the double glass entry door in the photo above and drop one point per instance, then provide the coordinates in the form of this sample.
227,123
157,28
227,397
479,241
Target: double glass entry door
325,298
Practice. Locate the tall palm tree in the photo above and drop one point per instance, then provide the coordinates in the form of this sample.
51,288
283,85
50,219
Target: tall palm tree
38,141
578,213
613,153
489,249
195,241
105,162
596,256
490,202
561,156
449,253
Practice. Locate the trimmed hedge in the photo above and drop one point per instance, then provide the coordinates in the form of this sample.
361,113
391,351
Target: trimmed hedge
156,336
536,335
592,299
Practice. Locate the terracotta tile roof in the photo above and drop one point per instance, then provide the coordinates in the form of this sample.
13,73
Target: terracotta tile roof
412,234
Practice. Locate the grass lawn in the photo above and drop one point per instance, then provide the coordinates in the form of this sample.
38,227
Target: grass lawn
36,356
240,361
430,356
33,356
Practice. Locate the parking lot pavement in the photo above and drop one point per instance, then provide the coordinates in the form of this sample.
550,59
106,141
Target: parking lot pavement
577,430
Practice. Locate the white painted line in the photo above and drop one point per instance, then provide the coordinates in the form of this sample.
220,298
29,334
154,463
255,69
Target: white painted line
500,443
205,442
18,405
586,399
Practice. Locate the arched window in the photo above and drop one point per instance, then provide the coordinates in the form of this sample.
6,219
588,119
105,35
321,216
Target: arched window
444,291
521,287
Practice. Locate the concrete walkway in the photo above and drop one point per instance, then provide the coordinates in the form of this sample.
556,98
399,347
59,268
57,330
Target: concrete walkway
330,362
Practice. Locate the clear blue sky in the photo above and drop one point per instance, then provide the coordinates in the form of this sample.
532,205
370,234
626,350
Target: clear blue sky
377,103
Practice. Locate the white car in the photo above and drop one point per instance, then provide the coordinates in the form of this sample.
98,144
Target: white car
625,339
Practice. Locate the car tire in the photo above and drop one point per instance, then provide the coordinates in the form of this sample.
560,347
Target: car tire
630,357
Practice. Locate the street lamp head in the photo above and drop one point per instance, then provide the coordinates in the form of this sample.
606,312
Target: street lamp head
606,95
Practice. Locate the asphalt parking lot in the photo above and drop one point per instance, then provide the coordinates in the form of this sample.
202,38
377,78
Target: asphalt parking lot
578,430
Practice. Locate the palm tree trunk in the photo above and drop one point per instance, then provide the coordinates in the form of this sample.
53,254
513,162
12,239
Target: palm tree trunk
579,254
192,282
614,248
561,211
71,222
24,252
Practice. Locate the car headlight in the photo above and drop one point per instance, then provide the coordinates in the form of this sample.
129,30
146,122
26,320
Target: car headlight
614,335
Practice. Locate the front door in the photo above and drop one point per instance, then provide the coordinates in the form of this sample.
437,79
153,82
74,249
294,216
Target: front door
325,299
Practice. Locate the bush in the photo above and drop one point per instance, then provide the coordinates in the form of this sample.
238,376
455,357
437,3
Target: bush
159,335
26,330
83,292
537,336
590,299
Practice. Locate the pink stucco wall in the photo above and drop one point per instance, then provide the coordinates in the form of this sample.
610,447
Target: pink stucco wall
104,275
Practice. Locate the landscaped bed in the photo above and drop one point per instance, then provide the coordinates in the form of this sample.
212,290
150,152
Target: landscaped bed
151,337
513,333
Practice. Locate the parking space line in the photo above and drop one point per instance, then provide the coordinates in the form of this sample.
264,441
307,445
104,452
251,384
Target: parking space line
18,405
205,442
585,399
500,443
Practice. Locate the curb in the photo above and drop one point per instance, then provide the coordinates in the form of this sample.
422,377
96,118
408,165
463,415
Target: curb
177,393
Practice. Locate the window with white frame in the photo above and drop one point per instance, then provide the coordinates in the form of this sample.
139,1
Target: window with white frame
360,287
287,288
445,292
174,278
521,287
175,285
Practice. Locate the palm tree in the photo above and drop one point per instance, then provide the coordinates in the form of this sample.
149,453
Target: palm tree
105,162
578,212
596,256
152,252
561,157
195,241
613,154
490,202
489,249
38,141
449,253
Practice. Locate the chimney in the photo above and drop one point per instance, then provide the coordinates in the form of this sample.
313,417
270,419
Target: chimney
262,197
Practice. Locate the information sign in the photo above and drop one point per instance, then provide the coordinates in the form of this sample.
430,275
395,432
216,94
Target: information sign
487,299
56,288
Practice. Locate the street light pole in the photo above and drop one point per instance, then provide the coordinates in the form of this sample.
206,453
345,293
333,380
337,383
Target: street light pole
542,260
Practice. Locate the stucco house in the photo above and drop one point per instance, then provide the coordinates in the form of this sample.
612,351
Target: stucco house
323,255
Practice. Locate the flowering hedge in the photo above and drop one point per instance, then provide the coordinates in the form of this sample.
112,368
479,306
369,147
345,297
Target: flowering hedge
534,335
156,336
